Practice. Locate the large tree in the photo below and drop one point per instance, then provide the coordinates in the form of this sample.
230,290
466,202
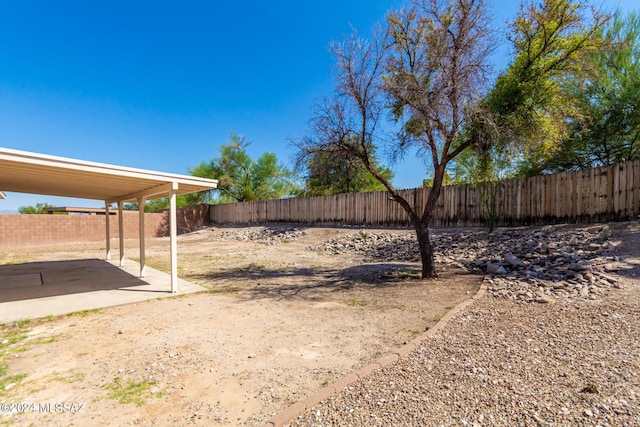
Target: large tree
607,130
241,178
552,43
529,108
430,66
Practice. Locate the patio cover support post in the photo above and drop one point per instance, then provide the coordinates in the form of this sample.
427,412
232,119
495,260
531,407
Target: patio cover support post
173,233
141,202
121,232
108,229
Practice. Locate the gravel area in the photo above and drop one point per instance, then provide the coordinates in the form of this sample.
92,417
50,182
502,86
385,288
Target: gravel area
530,264
506,362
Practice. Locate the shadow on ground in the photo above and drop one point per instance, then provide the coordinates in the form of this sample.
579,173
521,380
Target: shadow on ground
628,249
44,279
306,283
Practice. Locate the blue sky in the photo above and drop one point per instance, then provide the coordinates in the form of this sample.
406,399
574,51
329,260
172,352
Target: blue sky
159,84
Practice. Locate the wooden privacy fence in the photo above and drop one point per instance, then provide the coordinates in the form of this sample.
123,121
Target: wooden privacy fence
608,193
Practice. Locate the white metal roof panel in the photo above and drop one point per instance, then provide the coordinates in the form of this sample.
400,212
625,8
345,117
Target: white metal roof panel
26,172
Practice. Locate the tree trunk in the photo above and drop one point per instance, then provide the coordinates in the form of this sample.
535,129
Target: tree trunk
426,251
421,223
422,226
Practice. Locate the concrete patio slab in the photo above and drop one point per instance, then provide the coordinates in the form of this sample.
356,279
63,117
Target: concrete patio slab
51,288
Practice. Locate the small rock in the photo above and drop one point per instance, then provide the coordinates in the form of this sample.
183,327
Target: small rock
589,388
608,278
539,420
579,267
496,269
513,260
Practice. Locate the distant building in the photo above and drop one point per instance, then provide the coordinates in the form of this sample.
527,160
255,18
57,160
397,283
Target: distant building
77,211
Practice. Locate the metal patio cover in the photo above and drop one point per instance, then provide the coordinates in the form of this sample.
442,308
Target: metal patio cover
26,172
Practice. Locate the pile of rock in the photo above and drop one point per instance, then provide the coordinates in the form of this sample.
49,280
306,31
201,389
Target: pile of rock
399,246
526,264
264,235
546,265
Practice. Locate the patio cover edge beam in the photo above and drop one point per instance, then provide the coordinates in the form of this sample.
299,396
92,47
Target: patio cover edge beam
147,193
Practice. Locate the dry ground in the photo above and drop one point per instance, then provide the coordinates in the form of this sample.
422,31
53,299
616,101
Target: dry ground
278,322
502,362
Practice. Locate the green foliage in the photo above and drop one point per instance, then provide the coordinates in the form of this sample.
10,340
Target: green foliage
131,392
11,342
68,379
241,178
364,235
529,113
446,180
39,208
156,205
484,168
481,165
85,313
608,128
532,111
328,173
552,43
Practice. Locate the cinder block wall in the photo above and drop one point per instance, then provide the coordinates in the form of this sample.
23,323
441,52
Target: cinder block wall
189,218
33,229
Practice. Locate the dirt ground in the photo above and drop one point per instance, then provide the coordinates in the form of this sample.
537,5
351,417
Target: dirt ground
277,323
